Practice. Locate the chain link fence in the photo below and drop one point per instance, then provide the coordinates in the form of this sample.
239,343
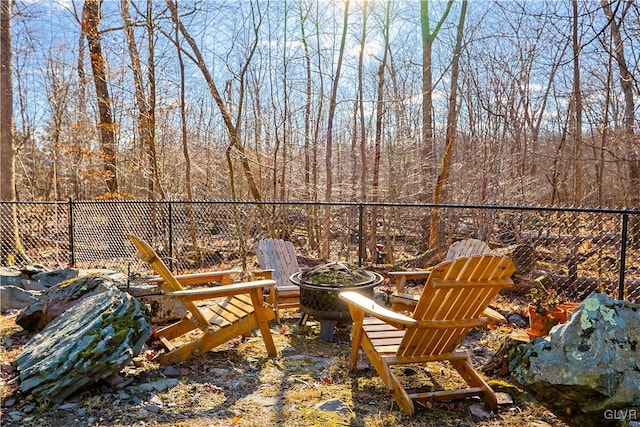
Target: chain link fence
577,250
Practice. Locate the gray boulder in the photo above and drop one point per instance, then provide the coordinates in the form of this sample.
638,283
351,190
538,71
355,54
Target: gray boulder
10,276
17,288
587,371
13,298
53,277
59,298
162,308
89,342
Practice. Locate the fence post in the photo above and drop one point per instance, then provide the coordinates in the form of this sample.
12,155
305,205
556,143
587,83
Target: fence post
72,254
360,231
170,212
623,254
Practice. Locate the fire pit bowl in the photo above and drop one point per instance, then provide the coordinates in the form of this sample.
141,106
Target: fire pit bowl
319,289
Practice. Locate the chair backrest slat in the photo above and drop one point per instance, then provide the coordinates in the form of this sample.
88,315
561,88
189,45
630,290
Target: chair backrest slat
277,255
466,248
458,289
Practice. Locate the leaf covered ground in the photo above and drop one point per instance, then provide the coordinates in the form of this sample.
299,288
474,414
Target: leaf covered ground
307,384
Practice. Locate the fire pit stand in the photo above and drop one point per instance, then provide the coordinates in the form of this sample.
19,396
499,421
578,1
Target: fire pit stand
319,289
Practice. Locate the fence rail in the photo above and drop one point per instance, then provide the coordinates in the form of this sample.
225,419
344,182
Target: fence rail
578,250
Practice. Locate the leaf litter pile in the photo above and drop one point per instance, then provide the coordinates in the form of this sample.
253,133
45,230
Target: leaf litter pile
307,384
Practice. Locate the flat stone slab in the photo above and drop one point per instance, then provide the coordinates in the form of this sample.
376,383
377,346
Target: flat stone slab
90,342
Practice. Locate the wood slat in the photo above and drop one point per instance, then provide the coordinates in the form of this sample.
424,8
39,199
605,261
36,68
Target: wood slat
385,334
450,296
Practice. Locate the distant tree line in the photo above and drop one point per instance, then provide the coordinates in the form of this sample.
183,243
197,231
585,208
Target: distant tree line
403,101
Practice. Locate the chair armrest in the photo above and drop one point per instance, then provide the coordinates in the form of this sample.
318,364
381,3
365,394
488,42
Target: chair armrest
221,291
374,309
263,274
494,316
401,301
401,277
221,276
415,274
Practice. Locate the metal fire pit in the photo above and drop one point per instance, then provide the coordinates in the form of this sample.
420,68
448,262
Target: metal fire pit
319,289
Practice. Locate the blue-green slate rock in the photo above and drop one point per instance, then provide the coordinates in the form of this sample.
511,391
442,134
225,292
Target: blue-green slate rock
587,371
87,343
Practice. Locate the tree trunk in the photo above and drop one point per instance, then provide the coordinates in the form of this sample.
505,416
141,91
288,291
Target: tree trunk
452,123
81,124
90,23
626,84
307,105
375,182
11,250
7,165
428,151
324,253
185,140
360,102
577,112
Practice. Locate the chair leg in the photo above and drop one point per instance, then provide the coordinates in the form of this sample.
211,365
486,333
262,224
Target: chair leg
262,316
466,371
303,319
356,337
401,396
265,330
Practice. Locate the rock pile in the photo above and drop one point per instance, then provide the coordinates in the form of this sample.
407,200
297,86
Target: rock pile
87,343
20,287
39,293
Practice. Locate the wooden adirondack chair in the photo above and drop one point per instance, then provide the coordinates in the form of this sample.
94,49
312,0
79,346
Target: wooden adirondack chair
240,309
455,295
279,257
461,248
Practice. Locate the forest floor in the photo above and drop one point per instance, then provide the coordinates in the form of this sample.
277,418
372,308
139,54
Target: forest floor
307,384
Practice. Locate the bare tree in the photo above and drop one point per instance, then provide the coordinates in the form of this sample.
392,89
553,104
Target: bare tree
380,110
360,109
58,89
81,123
577,110
235,140
91,17
145,101
185,139
452,123
330,119
631,143
11,249
304,14
7,174
428,38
